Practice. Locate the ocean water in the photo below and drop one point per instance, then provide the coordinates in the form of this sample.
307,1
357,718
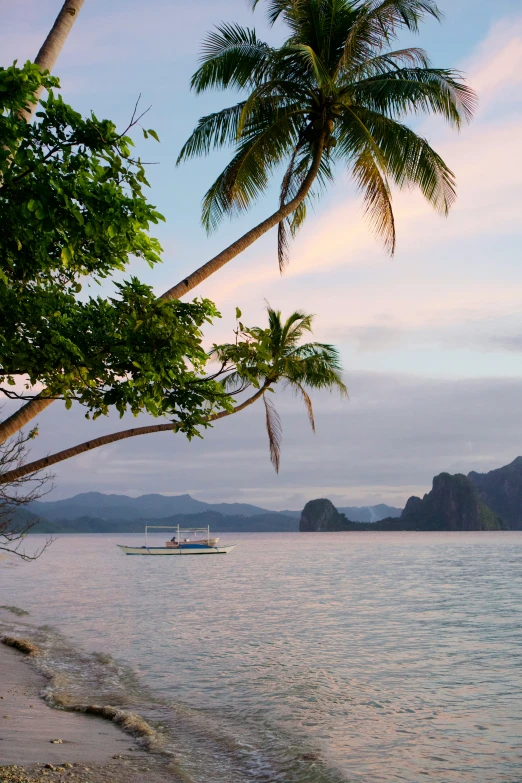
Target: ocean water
364,657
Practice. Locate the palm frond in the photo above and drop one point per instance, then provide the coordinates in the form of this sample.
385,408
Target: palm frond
286,189
378,23
409,159
368,165
382,63
246,176
429,90
317,366
275,8
314,64
277,95
299,388
232,56
377,197
294,176
392,16
283,245
213,131
295,326
275,432
297,218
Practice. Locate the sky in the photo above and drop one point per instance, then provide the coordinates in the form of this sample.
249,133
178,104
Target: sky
431,339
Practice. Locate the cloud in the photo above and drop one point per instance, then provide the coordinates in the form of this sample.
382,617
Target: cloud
496,67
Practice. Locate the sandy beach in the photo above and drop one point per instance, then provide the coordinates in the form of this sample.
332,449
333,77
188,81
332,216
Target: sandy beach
38,742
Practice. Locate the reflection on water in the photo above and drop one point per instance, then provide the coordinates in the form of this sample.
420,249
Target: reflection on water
379,657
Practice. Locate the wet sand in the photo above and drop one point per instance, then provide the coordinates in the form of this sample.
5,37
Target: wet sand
91,749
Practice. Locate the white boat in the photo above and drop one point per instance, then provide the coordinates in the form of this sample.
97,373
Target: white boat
181,543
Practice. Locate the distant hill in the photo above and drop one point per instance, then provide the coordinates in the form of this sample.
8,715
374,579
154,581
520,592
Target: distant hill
269,522
501,490
117,507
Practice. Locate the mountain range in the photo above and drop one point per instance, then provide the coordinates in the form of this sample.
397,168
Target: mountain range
478,501
95,512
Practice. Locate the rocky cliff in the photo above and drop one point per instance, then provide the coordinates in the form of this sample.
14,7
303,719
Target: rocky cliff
321,515
452,504
501,490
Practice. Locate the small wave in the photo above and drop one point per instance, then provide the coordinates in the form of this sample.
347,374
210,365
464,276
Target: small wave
198,745
15,610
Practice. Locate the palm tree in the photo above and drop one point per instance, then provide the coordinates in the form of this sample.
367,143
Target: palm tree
264,358
295,365
334,92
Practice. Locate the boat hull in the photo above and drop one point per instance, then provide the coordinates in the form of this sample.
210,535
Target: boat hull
199,549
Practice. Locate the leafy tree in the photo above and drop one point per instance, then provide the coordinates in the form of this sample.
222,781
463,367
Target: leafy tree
259,359
72,208
335,92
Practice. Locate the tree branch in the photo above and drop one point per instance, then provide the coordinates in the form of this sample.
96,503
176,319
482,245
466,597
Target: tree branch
45,462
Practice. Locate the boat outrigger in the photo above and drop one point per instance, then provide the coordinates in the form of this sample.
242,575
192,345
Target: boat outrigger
180,543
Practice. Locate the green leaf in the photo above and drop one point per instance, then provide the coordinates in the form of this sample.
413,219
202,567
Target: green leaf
238,313
153,134
67,256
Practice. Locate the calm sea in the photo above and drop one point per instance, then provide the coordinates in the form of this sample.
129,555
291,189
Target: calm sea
375,657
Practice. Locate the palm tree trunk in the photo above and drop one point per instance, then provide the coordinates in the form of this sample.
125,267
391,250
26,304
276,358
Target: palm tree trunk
46,462
241,244
53,44
23,416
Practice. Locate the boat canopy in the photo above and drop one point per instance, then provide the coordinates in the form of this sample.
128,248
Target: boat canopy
179,530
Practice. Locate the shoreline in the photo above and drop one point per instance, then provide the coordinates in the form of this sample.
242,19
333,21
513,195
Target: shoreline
39,742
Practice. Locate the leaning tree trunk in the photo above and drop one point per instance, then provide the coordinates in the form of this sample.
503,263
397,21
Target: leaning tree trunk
23,416
241,244
104,440
46,59
53,44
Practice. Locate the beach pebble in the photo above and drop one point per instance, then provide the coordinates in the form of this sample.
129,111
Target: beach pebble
56,742
67,765
49,766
